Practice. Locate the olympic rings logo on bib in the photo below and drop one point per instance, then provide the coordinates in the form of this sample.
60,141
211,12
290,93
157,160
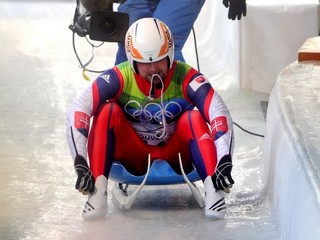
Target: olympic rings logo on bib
152,111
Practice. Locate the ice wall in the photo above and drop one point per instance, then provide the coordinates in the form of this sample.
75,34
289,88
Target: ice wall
291,151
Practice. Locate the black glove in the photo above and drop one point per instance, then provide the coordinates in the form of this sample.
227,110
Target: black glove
85,181
222,179
236,8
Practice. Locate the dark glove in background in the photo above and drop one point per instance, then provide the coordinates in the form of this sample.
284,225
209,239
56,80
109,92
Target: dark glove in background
237,8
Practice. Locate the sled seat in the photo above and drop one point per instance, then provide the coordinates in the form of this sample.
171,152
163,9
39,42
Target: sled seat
160,173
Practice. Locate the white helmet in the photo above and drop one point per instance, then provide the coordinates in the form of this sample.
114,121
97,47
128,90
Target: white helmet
149,40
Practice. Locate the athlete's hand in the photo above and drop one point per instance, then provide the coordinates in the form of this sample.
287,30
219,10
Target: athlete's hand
237,8
222,179
85,181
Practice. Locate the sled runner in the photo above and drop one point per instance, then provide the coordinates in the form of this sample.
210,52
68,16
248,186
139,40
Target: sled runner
159,173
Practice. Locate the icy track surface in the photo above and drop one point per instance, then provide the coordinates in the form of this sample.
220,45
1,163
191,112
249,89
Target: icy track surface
39,78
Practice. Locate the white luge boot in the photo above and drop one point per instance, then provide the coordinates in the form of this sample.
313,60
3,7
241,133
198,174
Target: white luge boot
97,204
215,206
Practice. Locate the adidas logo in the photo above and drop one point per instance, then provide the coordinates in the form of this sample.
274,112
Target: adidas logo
218,206
105,77
205,136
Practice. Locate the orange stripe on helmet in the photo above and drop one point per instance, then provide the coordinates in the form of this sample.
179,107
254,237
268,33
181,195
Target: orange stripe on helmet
134,52
167,41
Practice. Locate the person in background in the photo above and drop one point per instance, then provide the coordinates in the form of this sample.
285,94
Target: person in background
178,15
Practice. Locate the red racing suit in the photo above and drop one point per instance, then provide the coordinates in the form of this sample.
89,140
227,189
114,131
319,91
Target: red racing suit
131,119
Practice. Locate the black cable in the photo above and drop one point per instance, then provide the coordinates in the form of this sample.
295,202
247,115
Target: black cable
198,65
196,47
252,133
83,66
74,28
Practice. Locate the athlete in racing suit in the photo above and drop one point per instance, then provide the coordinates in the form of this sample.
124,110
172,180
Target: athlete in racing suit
137,112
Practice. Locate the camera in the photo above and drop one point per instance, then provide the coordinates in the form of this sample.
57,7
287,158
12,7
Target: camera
99,21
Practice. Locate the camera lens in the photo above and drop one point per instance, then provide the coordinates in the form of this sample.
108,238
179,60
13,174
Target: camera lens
108,25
